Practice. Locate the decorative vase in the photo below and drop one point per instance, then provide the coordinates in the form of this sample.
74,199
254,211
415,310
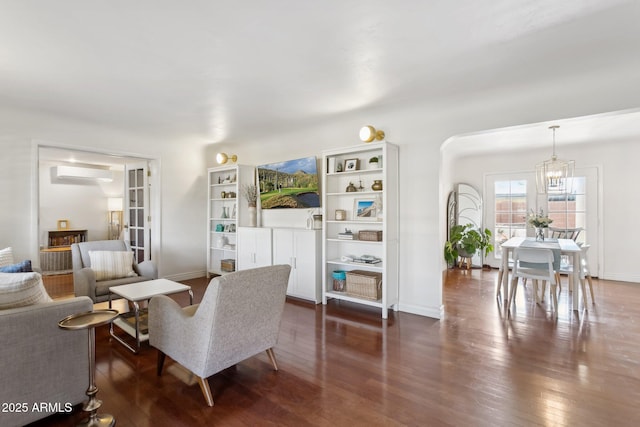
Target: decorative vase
540,234
225,212
253,216
377,185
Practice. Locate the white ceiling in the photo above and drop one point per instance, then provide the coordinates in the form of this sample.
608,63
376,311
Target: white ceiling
232,70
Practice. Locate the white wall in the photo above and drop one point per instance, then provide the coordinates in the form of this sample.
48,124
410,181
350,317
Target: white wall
182,204
82,202
620,200
420,128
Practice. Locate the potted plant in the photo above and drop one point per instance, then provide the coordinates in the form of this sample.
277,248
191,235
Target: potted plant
466,241
250,193
374,162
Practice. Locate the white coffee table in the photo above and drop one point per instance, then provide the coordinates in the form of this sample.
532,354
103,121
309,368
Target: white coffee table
136,292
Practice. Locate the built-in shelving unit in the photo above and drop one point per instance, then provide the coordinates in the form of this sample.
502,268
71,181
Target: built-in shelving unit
379,212
226,211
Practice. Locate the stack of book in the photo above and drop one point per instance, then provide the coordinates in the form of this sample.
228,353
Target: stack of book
367,259
347,235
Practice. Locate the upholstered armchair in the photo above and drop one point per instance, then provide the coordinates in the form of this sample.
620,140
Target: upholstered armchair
112,269
239,317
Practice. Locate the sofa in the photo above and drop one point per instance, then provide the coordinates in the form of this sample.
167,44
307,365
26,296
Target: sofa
44,369
88,281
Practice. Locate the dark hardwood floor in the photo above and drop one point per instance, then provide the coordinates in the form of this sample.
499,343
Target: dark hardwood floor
342,365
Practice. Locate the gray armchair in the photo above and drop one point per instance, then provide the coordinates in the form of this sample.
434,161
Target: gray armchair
239,317
84,279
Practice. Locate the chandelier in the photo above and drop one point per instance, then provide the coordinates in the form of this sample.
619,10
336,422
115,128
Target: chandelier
554,175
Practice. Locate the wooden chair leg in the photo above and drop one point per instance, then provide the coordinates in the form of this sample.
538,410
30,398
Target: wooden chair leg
272,358
161,357
499,287
206,391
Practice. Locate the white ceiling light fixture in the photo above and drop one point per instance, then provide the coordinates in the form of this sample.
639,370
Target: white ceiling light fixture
554,175
369,133
223,158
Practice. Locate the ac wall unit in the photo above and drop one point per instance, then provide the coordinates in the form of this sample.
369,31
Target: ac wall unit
75,172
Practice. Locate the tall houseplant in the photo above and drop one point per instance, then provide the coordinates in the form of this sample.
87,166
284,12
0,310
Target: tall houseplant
466,240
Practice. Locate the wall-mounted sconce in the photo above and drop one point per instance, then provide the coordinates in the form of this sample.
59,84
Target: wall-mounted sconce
369,133
114,206
222,158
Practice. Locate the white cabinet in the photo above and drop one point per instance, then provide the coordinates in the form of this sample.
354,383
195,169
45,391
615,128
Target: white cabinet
300,248
226,211
351,204
254,247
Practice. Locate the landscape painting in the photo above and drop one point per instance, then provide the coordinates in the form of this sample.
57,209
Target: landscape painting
289,184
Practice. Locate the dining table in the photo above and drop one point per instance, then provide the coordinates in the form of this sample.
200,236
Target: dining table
566,246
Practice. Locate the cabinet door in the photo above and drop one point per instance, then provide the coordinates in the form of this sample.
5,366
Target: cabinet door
306,253
254,247
262,247
283,253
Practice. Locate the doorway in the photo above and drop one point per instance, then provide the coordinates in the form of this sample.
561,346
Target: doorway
83,203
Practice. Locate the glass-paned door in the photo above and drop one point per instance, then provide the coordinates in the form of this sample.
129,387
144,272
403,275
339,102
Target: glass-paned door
137,226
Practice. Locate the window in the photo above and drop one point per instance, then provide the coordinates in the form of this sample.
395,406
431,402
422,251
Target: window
510,211
570,210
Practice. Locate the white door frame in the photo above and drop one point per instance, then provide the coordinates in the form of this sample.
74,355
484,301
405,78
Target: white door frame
154,181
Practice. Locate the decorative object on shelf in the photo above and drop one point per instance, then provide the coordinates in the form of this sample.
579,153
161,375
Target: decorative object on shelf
250,192
554,175
223,158
374,162
364,209
539,221
369,133
351,165
379,211
63,224
465,241
347,235
341,215
219,228
351,188
221,241
338,167
377,185
233,212
225,212
223,194
339,280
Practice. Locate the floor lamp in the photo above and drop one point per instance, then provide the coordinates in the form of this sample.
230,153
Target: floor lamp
114,206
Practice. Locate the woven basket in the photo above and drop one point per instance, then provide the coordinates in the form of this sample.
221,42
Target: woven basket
364,284
370,235
228,265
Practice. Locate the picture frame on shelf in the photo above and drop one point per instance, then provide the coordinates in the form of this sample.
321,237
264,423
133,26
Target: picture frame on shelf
365,209
351,165
63,224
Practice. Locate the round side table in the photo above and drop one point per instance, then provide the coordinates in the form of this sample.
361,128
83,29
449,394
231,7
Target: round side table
90,320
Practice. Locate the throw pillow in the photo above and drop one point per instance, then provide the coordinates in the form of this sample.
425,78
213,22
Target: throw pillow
6,257
21,289
108,265
21,267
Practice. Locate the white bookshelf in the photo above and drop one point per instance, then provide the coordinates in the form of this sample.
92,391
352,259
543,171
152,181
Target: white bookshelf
336,197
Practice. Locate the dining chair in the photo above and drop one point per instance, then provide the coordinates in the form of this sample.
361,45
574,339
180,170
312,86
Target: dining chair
585,275
536,264
565,233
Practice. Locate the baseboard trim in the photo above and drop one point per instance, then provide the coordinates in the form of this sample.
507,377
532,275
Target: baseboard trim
187,276
621,277
433,312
